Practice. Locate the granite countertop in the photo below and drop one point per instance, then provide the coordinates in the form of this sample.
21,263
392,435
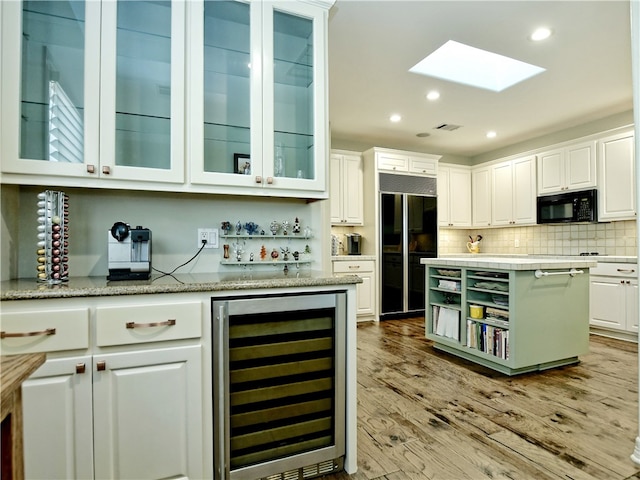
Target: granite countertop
511,263
30,289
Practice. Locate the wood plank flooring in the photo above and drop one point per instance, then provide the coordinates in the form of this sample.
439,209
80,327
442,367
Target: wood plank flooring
424,414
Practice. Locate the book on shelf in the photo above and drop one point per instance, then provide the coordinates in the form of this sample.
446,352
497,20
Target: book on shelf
449,285
446,322
488,339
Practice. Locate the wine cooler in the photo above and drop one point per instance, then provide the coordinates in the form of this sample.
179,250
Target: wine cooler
279,386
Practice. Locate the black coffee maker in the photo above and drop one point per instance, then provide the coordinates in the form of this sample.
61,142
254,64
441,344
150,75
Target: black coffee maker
354,243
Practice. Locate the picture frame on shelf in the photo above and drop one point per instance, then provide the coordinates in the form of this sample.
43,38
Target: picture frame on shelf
242,163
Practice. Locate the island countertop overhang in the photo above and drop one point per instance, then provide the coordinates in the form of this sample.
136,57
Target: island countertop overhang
510,263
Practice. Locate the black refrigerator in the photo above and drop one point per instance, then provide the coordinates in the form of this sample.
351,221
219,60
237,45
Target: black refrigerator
408,233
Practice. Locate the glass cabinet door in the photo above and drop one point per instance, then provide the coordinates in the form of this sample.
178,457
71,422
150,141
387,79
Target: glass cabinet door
142,91
294,94
50,107
225,86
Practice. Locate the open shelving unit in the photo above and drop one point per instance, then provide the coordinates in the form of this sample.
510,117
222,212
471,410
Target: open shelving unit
507,320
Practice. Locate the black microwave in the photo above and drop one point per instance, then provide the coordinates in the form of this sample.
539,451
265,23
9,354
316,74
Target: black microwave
569,207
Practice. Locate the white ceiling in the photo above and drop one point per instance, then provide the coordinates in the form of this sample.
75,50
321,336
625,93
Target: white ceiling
373,43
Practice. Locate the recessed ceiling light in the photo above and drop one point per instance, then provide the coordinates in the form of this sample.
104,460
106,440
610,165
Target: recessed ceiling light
433,95
422,134
491,134
395,118
460,63
541,33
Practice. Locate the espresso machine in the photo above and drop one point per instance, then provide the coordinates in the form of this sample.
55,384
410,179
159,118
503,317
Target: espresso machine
129,252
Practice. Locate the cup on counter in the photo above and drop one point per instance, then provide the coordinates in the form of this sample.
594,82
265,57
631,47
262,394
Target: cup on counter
476,311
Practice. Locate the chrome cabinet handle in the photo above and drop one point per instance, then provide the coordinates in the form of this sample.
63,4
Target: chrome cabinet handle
625,270
354,267
169,323
106,170
48,331
91,169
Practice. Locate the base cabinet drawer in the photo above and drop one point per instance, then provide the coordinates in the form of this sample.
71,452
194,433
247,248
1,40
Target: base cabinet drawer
33,331
124,325
365,291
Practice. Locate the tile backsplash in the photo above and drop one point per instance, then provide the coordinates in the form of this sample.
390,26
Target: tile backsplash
614,238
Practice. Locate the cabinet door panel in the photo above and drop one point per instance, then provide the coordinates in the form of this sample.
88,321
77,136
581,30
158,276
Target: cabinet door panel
632,306
131,394
581,166
444,208
58,433
502,194
365,294
617,192
353,190
551,172
524,191
336,201
607,303
460,197
481,197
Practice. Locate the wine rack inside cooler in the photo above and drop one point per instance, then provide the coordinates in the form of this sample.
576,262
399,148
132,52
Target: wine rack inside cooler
53,237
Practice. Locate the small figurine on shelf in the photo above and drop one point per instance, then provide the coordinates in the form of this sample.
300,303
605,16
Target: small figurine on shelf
263,252
238,250
262,232
307,249
251,257
296,255
226,250
285,253
296,226
226,227
274,254
285,227
274,227
251,228
307,232
238,228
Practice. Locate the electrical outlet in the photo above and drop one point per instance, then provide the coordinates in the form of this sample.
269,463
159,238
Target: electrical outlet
210,235
517,243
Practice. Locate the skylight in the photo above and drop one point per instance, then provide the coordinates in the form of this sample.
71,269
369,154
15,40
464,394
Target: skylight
460,63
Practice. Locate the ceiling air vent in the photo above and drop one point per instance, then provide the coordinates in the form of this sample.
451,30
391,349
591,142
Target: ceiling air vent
447,126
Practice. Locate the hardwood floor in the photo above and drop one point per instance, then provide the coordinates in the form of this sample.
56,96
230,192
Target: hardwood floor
424,414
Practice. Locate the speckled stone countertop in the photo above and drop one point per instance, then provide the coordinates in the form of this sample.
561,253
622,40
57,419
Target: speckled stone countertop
27,289
511,263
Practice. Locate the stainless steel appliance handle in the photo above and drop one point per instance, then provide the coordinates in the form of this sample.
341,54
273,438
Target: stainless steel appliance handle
221,394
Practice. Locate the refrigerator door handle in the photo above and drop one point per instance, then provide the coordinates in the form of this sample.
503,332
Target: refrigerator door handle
223,461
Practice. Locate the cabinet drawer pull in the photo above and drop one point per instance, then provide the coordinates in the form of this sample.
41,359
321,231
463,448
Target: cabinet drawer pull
270,180
101,366
80,367
258,179
168,323
625,270
106,170
354,267
48,331
91,168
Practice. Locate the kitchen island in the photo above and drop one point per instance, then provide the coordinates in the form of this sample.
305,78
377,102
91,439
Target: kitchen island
130,365
511,314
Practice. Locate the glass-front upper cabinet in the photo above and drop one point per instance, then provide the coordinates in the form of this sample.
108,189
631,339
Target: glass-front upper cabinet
50,82
142,90
258,98
98,89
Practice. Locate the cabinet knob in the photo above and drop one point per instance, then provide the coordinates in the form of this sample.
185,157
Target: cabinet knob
270,180
106,170
101,366
80,367
91,169
258,179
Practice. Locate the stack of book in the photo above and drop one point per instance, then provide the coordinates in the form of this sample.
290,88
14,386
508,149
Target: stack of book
446,322
488,339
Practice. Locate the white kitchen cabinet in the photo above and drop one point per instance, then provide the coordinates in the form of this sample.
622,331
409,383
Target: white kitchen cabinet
513,187
258,87
346,188
82,102
613,298
616,177
398,161
454,196
481,196
366,291
571,167
148,414
123,402
58,420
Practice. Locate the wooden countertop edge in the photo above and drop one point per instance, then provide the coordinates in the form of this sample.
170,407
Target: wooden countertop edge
15,369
